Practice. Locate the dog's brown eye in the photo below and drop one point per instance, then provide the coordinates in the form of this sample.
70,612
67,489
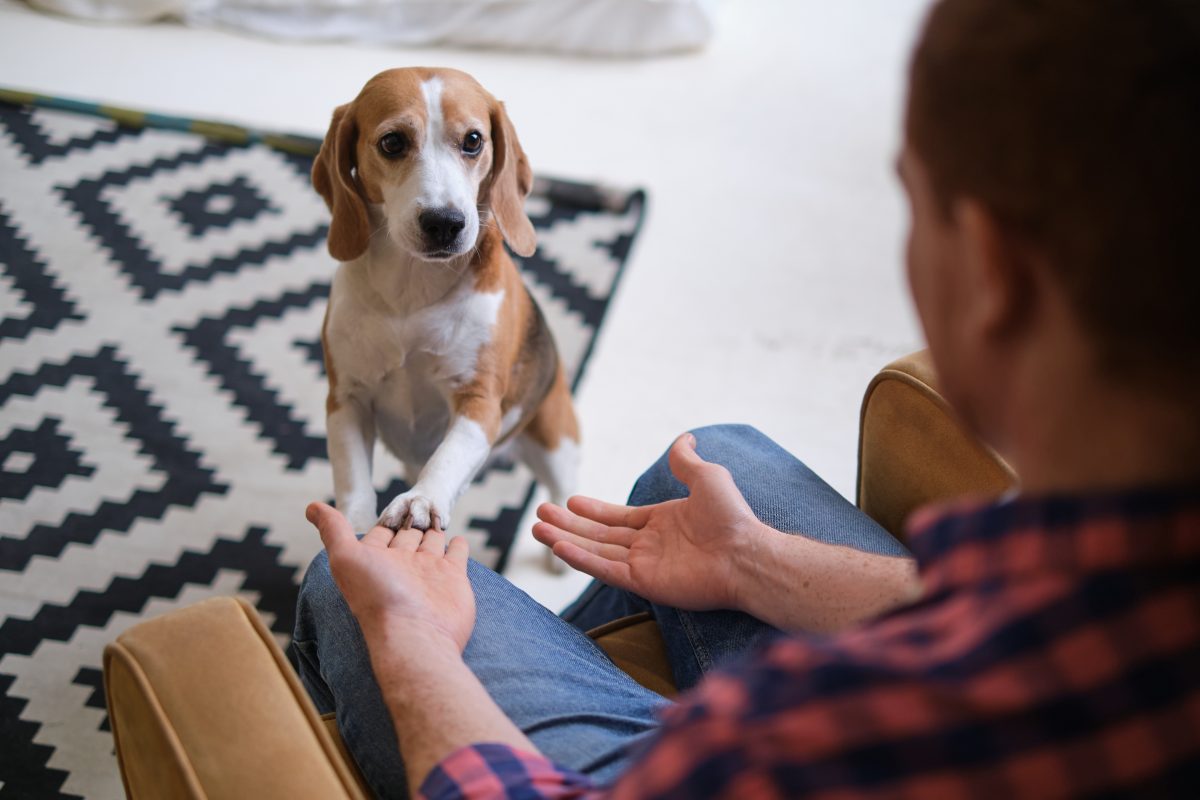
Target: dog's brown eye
393,144
472,143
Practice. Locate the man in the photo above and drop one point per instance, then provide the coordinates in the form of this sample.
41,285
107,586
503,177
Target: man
1051,643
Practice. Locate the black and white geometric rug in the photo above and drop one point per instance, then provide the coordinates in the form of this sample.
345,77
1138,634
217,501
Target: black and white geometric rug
161,394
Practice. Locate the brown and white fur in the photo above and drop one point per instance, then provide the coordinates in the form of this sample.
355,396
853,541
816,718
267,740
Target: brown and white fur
432,342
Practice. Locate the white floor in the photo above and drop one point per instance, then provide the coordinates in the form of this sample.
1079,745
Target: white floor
767,286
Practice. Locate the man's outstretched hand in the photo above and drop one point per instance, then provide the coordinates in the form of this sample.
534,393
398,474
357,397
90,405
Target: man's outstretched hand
687,553
415,606
399,583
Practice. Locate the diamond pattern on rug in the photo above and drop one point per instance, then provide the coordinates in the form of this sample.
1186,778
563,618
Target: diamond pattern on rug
162,400
142,467
219,204
228,346
51,134
31,297
137,214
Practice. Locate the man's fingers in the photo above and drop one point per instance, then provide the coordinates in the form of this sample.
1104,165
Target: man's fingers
434,541
378,536
550,535
582,526
458,551
404,539
613,573
609,513
334,528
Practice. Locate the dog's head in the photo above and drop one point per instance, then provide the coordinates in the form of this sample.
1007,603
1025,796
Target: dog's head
437,153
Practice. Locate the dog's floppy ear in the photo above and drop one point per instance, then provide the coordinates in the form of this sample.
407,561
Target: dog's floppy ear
333,178
509,182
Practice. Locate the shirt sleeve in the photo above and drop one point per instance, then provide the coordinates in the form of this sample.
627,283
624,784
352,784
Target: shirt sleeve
497,770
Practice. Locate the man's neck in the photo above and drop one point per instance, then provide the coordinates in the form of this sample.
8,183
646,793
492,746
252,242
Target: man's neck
1090,434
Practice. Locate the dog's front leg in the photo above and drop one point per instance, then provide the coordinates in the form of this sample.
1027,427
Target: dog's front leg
350,429
468,441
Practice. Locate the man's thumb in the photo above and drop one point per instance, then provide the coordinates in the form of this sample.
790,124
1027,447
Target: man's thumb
332,526
684,460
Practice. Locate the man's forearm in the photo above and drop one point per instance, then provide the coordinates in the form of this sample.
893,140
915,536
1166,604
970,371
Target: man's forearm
796,583
436,703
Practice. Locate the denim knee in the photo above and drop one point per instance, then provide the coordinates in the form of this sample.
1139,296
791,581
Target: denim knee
730,437
319,596
714,443
318,579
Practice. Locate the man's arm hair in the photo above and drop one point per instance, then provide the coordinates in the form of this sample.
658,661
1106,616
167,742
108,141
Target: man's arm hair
799,584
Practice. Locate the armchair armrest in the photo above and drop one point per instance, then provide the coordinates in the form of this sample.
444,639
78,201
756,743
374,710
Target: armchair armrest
913,450
203,704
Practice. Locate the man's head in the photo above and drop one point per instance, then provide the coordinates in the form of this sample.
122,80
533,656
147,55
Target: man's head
1053,161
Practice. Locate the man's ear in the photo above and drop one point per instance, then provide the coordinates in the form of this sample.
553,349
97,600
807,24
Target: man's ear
333,178
508,183
999,271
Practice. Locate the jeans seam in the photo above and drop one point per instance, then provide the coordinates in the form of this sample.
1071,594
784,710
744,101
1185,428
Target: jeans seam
703,657
306,668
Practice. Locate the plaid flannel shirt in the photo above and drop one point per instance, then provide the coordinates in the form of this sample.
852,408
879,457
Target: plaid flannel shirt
1055,651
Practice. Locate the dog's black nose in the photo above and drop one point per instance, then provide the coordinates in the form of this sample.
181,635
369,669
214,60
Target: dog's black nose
441,226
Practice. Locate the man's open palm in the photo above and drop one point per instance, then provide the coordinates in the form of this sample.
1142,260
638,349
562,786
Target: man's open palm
683,553
399,579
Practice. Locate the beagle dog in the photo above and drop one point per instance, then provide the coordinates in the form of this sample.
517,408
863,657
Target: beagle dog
431,340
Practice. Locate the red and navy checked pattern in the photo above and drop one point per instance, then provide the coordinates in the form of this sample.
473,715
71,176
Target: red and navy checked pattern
1056,652
497,770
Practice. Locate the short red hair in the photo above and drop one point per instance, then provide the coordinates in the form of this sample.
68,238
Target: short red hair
1077,123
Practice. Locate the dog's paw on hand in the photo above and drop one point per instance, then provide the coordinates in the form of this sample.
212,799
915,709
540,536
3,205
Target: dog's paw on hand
417,509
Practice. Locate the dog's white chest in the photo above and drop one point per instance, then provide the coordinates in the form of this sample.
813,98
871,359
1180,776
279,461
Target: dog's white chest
406,366
411,410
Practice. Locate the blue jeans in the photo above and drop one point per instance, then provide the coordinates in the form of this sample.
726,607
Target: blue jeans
541,669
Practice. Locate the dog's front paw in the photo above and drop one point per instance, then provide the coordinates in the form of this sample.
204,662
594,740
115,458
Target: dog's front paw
417,509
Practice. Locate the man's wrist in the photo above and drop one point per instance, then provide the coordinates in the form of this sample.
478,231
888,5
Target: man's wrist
407,659
403,640
753,554
794,582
